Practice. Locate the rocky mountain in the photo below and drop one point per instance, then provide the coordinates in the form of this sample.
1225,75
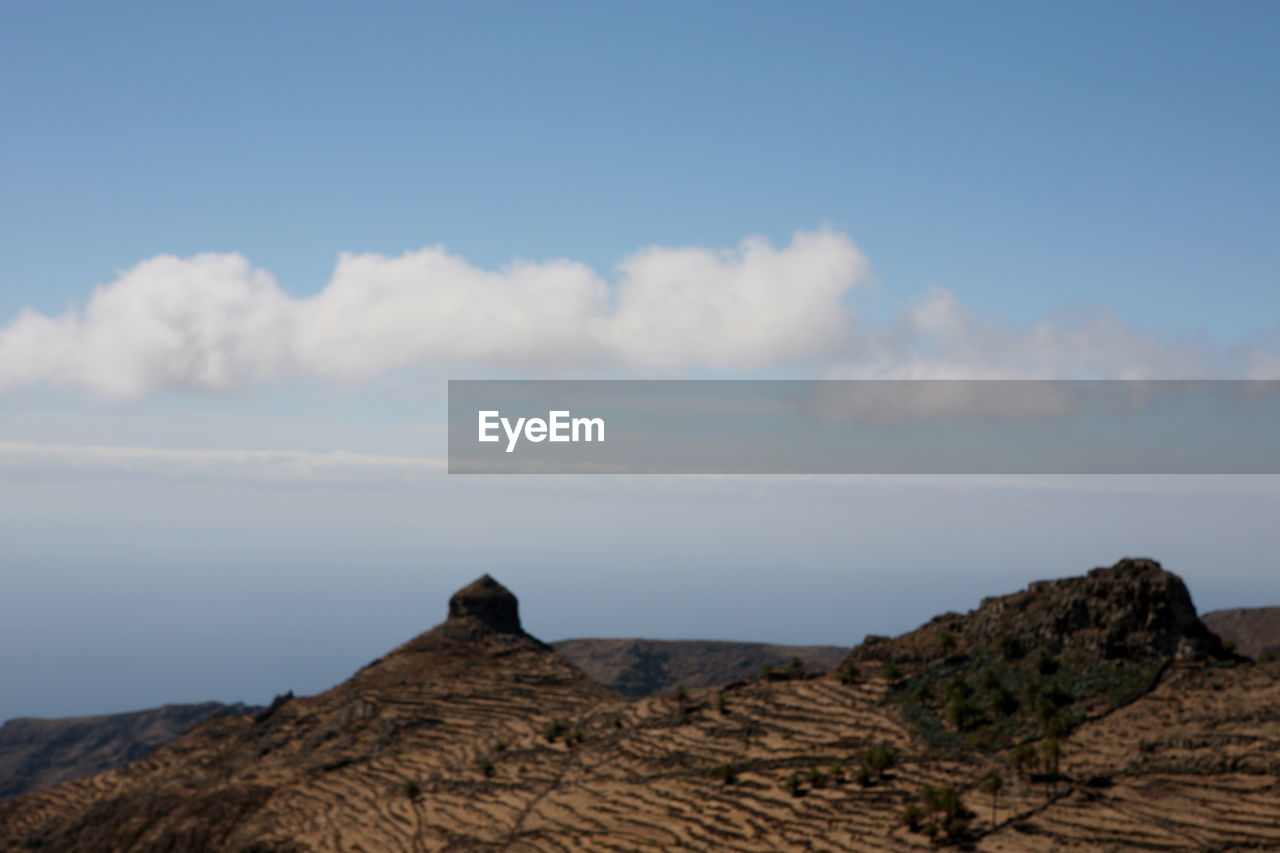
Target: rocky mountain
37,752
1251,631
637,667
1105,717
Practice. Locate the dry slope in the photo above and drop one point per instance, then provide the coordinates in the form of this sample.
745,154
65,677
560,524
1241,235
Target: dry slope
475,736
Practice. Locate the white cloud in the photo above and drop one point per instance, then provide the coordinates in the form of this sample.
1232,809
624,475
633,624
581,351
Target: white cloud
216,322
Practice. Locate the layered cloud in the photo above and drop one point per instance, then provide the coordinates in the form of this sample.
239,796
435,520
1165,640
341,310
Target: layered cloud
216,322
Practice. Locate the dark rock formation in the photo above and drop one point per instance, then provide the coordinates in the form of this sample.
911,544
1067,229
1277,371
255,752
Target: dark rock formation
1132,610
489,603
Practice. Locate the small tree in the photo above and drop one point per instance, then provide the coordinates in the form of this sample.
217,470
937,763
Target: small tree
816,778
1051,756
945,810
992,784
1023,758
411,789
879,759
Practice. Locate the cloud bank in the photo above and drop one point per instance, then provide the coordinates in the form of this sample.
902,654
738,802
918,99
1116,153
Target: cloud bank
215,322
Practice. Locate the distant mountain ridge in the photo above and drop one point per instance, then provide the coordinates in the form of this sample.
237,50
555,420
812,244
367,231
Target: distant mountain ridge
35,753
637,667
1251,631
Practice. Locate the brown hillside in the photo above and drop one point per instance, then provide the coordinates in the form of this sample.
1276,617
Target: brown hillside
1251,631
475,736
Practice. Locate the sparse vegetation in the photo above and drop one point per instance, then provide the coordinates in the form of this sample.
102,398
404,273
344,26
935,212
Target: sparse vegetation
553,730
793,785
816,778
890,672
940,814
878,760
485,766
411,789
727,773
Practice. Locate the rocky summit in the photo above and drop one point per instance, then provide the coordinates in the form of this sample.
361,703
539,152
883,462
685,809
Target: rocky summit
1131,610
486,603
1088,714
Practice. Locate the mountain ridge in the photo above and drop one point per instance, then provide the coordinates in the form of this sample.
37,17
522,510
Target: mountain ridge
474,735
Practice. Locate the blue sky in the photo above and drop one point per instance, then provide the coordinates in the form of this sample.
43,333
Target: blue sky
1028,155
937,189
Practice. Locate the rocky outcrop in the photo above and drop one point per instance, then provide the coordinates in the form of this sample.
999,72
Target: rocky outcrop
488,603
1133,610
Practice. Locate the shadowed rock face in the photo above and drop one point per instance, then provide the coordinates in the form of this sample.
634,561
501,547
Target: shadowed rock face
489,603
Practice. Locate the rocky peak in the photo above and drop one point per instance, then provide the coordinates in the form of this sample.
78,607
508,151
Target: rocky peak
1132,610
487,603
